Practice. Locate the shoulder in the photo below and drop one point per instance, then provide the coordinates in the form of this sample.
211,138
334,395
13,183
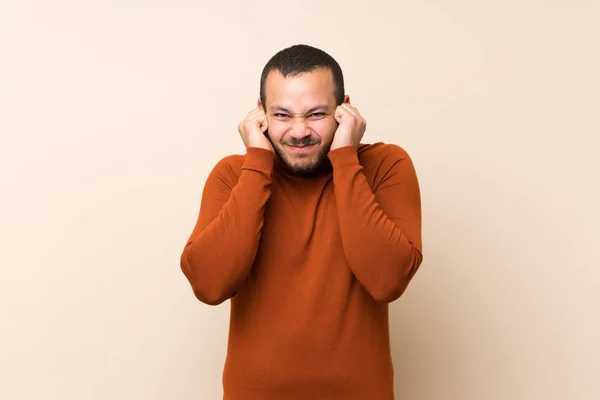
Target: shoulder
382,160
378,154
231,162
228,169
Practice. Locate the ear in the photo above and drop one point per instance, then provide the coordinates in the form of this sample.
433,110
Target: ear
259,104
347,99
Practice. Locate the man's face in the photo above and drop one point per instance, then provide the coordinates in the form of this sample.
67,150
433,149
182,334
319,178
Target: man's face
300,113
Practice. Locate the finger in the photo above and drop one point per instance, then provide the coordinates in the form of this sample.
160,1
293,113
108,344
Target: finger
264,125
256,112
357,115
255,116
342,110
339,113
352,110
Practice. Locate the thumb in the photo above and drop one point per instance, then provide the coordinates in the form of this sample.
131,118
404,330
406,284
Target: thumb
339,112
264,124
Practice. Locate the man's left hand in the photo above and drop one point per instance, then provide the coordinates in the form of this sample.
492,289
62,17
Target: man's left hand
351,127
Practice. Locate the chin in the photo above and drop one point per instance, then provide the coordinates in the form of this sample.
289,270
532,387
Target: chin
309,167
303,166
304,169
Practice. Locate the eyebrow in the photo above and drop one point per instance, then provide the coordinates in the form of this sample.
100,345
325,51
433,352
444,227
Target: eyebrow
323,107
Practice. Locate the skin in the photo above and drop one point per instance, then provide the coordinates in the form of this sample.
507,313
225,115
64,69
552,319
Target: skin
303,122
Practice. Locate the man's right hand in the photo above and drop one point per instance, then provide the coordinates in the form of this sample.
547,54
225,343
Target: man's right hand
253,128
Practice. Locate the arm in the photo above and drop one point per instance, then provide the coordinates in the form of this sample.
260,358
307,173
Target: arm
222,247
380,229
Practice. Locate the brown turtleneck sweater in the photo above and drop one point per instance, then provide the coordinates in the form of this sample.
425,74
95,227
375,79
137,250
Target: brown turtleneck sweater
310,265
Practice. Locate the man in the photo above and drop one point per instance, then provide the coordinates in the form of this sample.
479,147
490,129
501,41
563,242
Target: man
311,234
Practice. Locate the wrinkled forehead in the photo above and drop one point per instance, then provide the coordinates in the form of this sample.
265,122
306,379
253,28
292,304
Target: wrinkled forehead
300,93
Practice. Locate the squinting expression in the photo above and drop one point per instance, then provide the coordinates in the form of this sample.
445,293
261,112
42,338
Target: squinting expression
300,113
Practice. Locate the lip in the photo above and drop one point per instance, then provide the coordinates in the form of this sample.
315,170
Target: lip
301,149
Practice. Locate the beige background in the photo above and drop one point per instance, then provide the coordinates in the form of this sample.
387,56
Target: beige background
113,114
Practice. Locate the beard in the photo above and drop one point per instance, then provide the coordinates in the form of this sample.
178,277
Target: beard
303,165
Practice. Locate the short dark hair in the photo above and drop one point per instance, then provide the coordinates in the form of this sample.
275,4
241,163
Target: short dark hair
300,58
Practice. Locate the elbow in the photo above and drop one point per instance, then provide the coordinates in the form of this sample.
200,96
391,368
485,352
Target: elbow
389,290
210,297
206,290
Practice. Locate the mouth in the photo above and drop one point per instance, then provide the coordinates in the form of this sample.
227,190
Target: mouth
302,148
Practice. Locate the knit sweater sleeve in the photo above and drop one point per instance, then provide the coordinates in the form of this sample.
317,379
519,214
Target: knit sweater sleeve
380,227
220,252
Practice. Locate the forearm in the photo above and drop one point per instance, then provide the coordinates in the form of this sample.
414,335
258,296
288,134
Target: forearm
380,254
219,255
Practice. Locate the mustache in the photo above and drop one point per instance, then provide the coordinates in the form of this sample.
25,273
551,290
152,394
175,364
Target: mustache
302,142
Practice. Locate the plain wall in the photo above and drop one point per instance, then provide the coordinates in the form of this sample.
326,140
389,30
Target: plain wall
112,114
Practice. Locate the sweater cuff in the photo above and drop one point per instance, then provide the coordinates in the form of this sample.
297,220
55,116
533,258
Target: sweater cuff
259,159
343,156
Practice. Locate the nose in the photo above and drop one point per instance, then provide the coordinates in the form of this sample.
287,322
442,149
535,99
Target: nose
299,130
